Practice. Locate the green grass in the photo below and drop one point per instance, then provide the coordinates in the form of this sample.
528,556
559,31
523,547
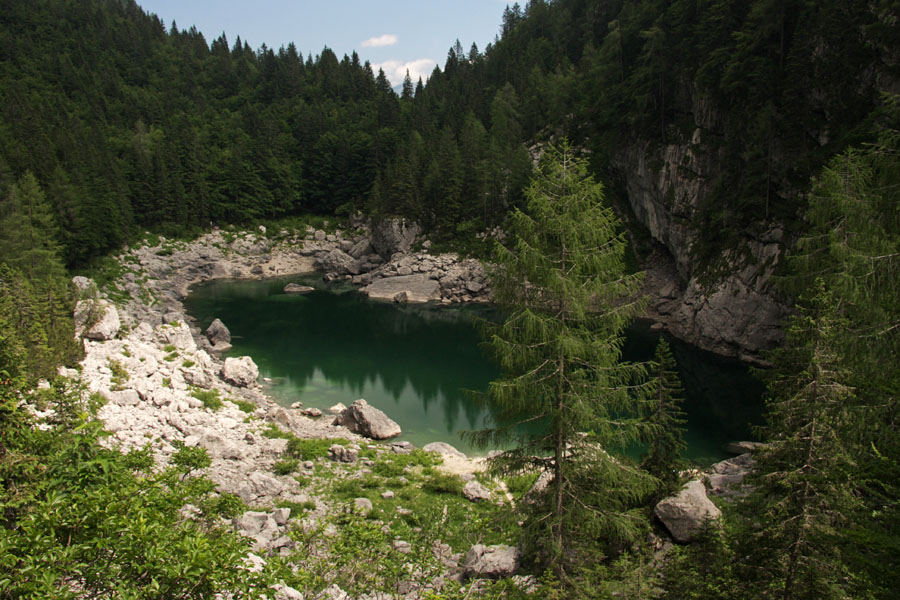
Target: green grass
304,449
119,375
209,398
244,405
297,508
286,467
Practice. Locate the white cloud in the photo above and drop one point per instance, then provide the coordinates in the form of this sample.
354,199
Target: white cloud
387,39
395,70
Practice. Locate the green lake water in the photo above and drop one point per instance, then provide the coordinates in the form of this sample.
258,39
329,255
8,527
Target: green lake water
415,361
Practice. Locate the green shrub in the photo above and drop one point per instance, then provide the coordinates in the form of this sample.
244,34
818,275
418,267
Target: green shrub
119,375
84,521
310,449
297,508
209,398
286,467
244,405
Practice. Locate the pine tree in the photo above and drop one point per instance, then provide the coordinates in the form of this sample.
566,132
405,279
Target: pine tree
665,419
567,298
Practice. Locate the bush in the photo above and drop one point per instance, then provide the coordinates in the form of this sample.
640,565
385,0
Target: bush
286,467
84,521
443,483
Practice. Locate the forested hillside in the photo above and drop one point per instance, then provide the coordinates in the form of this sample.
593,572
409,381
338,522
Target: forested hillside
719,123
128,122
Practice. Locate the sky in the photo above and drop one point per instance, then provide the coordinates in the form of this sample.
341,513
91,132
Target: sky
394,35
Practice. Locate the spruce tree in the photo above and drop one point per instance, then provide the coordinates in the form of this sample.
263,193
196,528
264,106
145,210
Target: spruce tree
665,419
567,299
28,232
805,492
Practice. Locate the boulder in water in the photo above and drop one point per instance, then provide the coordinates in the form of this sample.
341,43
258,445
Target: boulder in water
217,333
368,421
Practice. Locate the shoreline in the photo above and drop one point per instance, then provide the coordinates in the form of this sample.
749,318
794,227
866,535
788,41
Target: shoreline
168,362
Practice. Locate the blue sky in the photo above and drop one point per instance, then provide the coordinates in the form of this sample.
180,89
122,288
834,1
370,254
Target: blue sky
391,34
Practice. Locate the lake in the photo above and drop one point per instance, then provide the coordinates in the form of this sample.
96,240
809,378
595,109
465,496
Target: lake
415,361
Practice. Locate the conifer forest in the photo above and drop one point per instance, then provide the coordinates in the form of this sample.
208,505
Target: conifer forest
589,142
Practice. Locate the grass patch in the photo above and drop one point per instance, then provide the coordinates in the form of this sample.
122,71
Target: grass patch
306,449
187,364
394,465
297,508
209,398
443,483
519,485
119,375
286,467
244,405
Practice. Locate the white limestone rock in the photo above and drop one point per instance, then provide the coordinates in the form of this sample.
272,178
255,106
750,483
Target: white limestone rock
241,371
443,448
685,513
366,420
492,562
476,492
96,320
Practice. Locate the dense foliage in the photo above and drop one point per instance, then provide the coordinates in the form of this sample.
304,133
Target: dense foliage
563,285
110,120
126,122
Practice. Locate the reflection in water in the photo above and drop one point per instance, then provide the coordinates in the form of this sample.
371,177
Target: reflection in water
335,345
413,361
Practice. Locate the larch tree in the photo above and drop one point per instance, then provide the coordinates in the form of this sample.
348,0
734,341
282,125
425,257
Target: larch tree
565,400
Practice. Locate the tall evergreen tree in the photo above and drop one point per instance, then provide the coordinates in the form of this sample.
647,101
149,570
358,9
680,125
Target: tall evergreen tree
28,232
567,298
805,490
665,419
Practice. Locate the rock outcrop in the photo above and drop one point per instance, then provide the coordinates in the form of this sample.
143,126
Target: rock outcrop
296,288
366,420
416,288
735,314
218,334
726,478
96,320
491,562
390,236
685,513
443,448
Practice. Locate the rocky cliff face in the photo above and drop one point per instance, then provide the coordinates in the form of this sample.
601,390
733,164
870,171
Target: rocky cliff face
734,314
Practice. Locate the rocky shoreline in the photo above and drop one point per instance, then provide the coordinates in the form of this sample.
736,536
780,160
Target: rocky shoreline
167,386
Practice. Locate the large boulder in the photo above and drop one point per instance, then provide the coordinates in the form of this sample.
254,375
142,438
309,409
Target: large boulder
492,562
217,333
96,320
390,236
476,492
368,421
443,448
339,263
417,288
685,513
241,371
